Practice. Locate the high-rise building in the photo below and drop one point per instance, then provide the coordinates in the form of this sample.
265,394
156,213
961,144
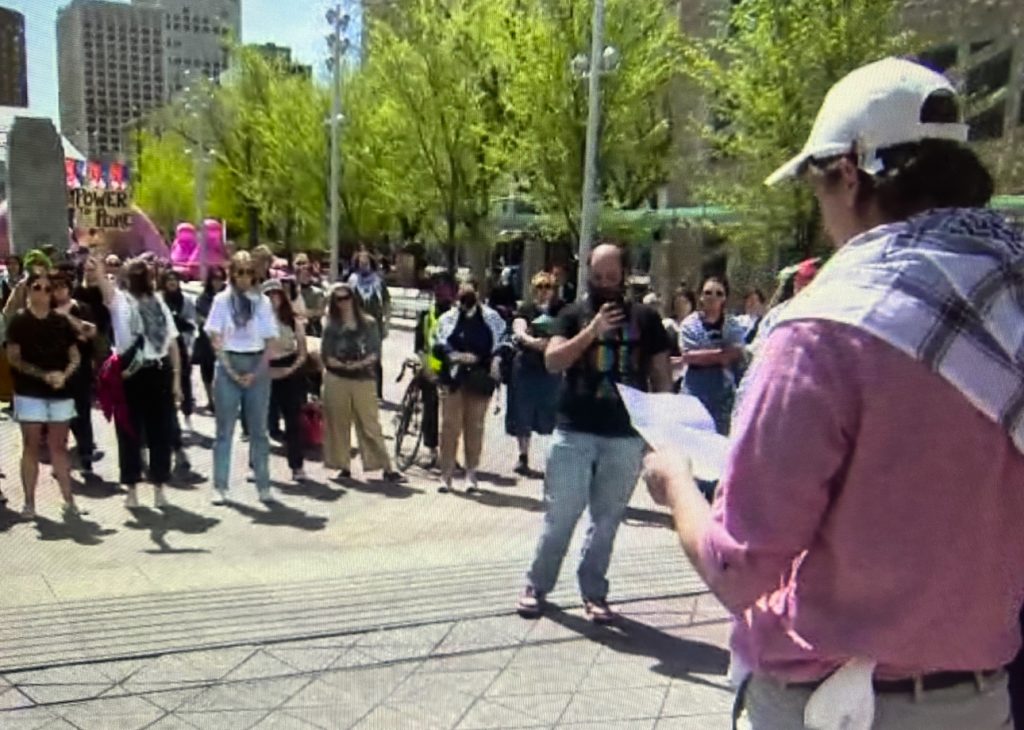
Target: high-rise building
283,55
110,69
195,36
13,73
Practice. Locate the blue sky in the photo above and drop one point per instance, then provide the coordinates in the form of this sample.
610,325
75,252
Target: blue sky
299,24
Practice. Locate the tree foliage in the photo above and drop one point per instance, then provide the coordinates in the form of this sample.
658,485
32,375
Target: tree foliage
765,76
166,185
548,101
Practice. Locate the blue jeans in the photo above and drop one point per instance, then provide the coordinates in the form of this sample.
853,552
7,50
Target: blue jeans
584,470
229,398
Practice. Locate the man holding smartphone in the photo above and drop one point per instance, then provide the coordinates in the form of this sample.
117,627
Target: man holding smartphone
596,455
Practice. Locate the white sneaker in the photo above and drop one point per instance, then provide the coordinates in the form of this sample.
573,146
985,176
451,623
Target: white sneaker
472,485
219,498
132,500
28,513
299,476
160,499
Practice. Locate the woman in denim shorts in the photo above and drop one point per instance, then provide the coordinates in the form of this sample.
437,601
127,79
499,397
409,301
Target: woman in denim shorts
41,347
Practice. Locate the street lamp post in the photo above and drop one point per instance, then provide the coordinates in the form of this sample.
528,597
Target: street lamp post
338,44
602,60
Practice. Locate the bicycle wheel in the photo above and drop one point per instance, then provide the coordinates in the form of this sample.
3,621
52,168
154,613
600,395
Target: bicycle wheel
408,429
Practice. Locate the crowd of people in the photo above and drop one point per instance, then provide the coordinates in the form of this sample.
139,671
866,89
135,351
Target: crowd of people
865,532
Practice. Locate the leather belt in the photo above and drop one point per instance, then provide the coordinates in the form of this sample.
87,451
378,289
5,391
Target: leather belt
925,683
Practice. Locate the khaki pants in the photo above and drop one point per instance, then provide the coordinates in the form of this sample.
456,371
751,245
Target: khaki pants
462,414
348,402
771,706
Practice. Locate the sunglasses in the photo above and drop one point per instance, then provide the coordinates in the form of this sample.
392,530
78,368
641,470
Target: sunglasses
346,298
718,293
245,272
42,288
545,286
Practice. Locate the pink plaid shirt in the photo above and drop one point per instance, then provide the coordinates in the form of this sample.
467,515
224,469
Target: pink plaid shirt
868,510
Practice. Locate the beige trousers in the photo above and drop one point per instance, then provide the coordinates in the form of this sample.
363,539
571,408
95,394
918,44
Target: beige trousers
462,415
769,705
349,403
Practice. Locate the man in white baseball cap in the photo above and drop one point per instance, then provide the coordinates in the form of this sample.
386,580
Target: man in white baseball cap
866,532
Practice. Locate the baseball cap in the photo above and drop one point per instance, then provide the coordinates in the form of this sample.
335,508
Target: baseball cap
875,107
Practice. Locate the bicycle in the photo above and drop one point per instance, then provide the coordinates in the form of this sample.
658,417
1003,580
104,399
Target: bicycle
409,420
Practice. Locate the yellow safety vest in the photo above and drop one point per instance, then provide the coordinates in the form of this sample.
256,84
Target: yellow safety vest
429,330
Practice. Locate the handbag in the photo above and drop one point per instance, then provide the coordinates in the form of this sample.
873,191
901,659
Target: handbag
312,420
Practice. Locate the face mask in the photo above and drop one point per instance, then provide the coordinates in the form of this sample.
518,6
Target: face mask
467,301
602,295
365,268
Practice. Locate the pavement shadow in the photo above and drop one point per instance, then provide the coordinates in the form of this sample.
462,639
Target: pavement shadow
94,486
382,488
76,529
279,515
496,479
648,518
187,479
201,440
676,657
170,519
319,491
8,517
502,500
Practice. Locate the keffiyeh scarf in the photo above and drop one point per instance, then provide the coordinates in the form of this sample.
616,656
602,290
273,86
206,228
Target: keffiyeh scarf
946,288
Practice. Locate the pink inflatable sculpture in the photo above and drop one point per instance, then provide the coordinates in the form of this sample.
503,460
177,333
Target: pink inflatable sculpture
186,250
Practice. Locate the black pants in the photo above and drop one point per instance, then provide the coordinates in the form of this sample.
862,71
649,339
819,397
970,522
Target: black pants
188,403
81,424
274,413
150,399
430,413
290,395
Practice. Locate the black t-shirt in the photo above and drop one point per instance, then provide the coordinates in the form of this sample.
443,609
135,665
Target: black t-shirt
590,401
44,343
539,323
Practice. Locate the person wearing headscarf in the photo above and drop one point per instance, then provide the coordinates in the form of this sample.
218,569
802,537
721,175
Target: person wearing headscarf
241,327
375,301
146,342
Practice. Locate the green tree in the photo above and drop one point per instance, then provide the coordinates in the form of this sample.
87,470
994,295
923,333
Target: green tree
548,101
166,189
433,95
764,78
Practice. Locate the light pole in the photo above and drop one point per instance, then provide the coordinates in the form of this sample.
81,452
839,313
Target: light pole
338,44
601,61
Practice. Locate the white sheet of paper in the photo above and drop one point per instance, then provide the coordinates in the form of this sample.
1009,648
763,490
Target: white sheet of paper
678,424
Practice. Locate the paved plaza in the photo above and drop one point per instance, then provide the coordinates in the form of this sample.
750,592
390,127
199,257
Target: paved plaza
355,604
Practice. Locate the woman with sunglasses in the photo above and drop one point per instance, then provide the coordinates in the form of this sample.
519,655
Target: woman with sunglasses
711,341
287,373
146,341
42,347
532,394
241,327
202,352
350,350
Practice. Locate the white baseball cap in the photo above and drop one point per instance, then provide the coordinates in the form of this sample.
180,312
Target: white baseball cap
875,107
